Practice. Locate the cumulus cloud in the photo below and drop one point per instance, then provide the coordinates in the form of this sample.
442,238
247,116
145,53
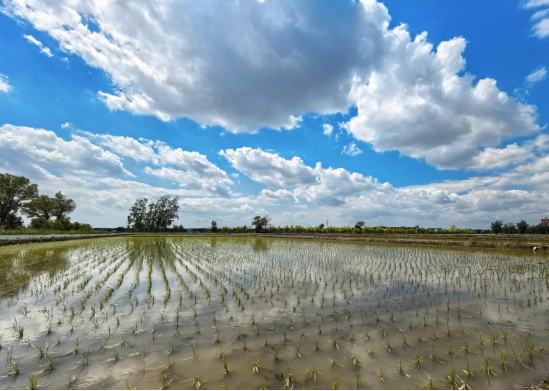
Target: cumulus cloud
192,181
24,147
328,129
95,177
198,172
263,65
43,49
270,168
351,150
267,63
4,85
427,110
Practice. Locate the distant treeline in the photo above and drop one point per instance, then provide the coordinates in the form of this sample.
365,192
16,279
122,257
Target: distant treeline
522,228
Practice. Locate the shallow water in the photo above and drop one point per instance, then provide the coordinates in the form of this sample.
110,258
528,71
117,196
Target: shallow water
152,312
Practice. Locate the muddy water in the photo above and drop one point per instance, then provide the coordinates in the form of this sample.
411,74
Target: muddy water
171,312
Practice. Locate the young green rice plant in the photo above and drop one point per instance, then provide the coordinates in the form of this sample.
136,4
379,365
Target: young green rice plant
381,375
488,367
430,384
312,373
401,371
355,360
503,360
451,379
165,380
14,370
255,365
467,370
288,380
298,352
418,361
334,364
434,356
335,384
335,345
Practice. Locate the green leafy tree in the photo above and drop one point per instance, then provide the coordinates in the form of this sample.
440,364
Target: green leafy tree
40,207
497,227
509,228
214,226
156,215
260,223
138,215
14,221
359,225
15,191
522,227
62,206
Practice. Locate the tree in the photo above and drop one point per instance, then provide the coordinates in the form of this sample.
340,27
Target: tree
14,221
63,206
261,223
40,207
509,228
138,214
14,192
156,216
257,223
497,227
214,226
359,225
522,227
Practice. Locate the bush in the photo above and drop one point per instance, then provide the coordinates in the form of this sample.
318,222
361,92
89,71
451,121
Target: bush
40,223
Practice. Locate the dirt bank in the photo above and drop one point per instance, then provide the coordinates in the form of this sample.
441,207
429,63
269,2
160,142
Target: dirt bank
11,242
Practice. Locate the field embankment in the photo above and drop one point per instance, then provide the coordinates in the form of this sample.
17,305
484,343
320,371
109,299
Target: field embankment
46,239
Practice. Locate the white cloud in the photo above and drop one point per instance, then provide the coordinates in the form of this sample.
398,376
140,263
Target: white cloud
537,75
199,172
494,158
45,50
269,168
427,110
192,181
351,150
4,86
540,18
535,3
97,180
24,147
328,129
266,64
263,65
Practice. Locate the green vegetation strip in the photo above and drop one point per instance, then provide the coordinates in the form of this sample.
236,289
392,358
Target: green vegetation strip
43,239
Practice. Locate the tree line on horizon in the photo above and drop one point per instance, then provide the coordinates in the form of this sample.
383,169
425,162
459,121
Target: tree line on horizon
18,194
521,228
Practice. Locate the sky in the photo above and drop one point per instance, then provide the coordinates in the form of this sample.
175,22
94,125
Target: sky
395,113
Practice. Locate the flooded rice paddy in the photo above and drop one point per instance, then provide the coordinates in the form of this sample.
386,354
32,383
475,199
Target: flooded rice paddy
198,313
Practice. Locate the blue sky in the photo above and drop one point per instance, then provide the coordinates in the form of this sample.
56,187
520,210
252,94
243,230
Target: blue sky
233,121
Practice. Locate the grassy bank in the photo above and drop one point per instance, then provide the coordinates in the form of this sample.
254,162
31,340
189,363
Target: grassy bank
33,231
